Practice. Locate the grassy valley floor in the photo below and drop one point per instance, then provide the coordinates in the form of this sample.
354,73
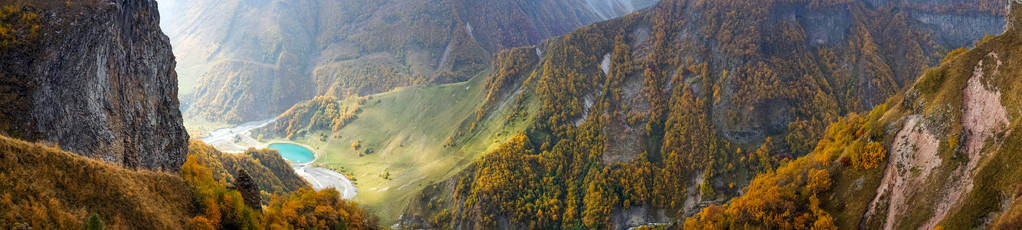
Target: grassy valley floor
400,135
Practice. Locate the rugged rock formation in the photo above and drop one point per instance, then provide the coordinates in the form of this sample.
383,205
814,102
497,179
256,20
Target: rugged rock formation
98,80
249,190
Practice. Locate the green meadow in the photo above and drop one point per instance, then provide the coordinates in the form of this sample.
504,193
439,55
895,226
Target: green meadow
403,138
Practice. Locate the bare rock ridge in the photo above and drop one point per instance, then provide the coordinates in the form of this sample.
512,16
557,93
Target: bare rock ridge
99,81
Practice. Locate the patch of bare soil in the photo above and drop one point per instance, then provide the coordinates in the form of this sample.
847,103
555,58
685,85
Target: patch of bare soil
982,116
623,143
914,156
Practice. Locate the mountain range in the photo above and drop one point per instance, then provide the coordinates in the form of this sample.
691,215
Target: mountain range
253,65
651,117
520,114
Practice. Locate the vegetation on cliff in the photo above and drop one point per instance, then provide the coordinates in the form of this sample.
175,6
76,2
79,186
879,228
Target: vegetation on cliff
949,141
44,187
221,207
270,172
118,104
694,101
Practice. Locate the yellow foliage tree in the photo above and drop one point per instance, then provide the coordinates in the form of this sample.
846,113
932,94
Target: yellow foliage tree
872,155
819,181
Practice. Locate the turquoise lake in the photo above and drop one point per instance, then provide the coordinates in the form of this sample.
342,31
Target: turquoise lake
294,153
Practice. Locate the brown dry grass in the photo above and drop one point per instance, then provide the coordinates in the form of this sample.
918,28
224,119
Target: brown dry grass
43,187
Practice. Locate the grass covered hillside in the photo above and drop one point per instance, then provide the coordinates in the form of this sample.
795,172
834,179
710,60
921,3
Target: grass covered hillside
947,149
404,140
269,171
42,187
651,117
222,205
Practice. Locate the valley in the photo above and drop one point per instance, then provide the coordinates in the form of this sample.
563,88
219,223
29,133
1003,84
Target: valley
411,131
239,139
398,145
510,114
397,133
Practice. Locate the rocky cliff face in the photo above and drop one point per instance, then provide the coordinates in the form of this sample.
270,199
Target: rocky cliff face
99,82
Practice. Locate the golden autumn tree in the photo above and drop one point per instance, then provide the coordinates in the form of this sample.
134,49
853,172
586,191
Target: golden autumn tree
872,155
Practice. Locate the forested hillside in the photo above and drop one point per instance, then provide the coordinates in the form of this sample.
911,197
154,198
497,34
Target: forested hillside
514,114
267,169
227,196
691,92
947,149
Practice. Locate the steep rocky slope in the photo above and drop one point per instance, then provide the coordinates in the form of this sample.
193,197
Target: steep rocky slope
709,92
952,143
94,77
249,60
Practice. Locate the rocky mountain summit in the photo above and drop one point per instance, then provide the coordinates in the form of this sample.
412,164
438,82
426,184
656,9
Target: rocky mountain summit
95,78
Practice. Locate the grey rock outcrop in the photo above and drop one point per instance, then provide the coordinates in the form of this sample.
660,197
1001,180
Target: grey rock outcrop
99,82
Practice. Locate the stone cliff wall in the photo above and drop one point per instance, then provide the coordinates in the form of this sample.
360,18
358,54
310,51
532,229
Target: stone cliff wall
99,82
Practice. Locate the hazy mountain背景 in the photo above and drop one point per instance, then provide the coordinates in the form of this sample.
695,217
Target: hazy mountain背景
538,114
251,60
